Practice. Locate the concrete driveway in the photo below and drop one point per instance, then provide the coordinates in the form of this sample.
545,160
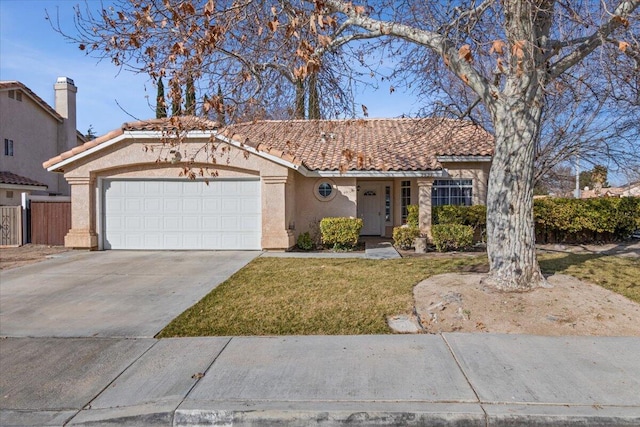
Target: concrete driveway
111,293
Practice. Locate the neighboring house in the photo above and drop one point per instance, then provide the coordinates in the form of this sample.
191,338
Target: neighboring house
628,190
631,189
266,181
31,132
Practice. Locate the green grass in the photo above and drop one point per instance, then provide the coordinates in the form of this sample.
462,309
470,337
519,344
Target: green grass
620,275
293,296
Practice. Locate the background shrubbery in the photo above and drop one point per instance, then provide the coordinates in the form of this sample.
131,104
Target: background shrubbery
586,220
559,220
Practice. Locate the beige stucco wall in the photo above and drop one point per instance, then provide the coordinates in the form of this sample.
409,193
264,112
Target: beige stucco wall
35,139
146,158
310,209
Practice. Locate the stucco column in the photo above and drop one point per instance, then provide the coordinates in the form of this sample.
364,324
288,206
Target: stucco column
275,230
83,214
424,204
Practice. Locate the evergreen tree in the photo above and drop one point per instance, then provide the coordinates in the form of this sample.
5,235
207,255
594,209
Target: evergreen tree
161,106
190,97
176,99
222,117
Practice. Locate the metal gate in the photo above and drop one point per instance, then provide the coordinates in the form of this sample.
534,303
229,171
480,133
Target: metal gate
10,225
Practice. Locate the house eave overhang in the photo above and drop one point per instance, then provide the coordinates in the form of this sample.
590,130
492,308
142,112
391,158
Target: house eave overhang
56,167
23,187
459,159
378,174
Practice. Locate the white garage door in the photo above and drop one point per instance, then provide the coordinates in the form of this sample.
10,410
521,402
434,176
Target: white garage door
172,214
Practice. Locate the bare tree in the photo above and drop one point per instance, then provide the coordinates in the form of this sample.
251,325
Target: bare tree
509,54
516,59
260,54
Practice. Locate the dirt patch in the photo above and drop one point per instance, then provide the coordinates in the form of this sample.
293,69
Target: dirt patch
457,302
27,254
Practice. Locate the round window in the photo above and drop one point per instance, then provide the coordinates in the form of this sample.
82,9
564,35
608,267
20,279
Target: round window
325,189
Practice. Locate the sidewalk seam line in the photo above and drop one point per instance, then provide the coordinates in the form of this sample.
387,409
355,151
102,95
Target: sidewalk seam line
453,354
198,379
114,380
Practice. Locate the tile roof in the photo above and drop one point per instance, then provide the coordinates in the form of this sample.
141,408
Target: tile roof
172,124
332,145
15,85
12,178
365,144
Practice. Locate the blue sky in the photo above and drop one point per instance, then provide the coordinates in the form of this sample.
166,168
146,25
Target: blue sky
32,53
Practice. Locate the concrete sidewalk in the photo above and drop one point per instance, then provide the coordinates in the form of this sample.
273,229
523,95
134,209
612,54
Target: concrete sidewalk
449,379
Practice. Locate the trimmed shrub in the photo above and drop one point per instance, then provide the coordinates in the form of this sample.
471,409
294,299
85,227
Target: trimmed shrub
403,237
585,220
452,237
413,216
340,233
474,216
305,242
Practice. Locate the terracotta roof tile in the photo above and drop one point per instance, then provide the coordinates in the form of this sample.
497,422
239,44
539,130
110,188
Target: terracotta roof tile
371,144
15,179
330,145
173,124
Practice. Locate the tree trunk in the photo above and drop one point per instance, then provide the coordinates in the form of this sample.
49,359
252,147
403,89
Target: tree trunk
510,226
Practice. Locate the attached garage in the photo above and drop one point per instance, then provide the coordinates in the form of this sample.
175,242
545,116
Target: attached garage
181,214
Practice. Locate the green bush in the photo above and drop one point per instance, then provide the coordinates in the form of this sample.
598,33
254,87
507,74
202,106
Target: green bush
474,216
451,237
585,220
413,216
403,237
340,233
305,242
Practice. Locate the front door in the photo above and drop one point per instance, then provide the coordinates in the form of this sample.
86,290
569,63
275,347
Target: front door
370,209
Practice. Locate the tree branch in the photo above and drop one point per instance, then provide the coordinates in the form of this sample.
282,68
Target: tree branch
441,45
618,19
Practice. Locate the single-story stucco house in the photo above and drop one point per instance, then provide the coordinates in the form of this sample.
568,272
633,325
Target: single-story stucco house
258,185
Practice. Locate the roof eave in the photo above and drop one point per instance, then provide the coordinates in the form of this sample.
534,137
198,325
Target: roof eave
24,187
379,174
460,159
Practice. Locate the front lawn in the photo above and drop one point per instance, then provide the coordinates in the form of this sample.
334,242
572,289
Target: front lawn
294,296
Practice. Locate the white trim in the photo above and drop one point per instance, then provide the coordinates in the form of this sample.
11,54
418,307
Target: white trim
267,156
463,158
24,187
378,174
100,212
87,152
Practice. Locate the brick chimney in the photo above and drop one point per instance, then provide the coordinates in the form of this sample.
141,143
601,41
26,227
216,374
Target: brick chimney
65,105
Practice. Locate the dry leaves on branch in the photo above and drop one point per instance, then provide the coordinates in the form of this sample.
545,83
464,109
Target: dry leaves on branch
465,53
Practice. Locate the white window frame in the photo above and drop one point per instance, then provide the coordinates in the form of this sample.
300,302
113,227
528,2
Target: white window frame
457,192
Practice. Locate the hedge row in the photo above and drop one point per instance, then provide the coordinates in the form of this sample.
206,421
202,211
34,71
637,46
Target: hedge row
560,220
586,220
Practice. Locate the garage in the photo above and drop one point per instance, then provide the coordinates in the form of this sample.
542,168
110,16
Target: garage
165,214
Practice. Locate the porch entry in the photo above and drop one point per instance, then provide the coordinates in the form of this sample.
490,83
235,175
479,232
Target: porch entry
374,207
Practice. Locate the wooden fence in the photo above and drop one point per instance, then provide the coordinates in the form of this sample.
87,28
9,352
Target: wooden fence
50,222
10,226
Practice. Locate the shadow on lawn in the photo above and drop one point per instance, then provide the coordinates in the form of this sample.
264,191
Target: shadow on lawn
554,265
